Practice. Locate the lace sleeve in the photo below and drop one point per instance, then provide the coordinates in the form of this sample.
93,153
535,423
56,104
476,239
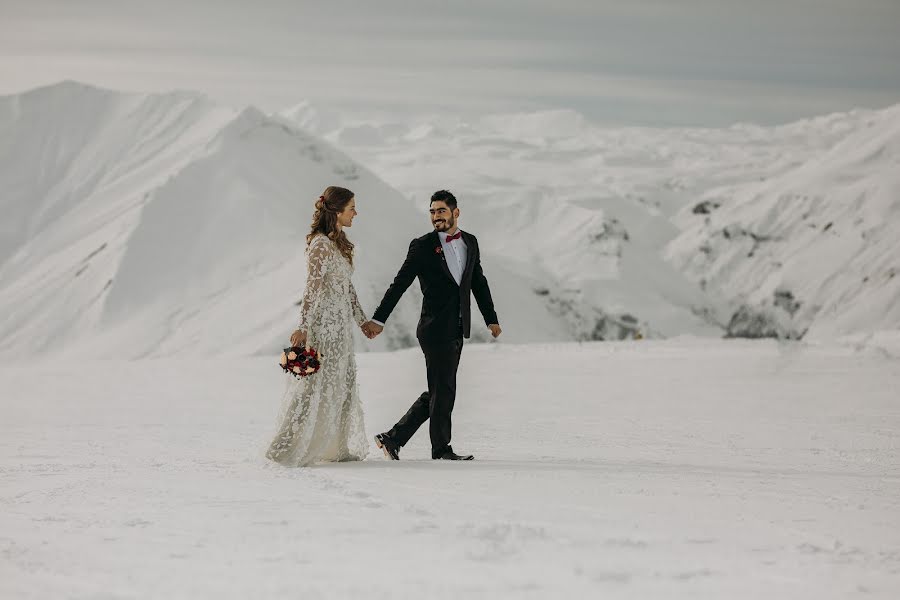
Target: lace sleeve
316,267
358,314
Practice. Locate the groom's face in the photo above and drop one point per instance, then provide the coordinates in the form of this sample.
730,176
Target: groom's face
442,217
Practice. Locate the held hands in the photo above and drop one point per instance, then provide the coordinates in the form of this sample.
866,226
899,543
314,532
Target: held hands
298,339
371,330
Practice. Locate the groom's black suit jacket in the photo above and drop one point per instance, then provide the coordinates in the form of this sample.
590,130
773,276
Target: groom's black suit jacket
444,301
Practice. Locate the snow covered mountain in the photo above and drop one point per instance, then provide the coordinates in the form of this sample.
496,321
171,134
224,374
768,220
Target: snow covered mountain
813,251
162,224
148,225
740,231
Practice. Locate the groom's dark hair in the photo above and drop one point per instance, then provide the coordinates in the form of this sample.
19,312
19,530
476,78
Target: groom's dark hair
445,197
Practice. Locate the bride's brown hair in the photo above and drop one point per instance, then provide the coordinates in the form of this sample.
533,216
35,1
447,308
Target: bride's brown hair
332,201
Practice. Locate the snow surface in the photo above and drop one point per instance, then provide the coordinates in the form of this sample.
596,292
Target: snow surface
657,469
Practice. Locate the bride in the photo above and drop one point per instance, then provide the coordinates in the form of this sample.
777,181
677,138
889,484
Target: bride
321,416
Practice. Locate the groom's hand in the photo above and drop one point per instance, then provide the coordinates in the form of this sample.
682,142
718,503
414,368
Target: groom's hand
495,330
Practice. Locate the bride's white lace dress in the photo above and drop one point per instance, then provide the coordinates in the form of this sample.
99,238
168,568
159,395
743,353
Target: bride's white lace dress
321,416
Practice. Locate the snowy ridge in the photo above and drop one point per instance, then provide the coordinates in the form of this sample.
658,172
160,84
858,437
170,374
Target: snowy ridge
160,225
163,224
633,222
813,251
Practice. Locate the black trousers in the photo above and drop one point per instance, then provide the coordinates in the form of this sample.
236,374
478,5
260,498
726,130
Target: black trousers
441,363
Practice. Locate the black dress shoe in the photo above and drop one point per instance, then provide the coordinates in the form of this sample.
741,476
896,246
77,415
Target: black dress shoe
449,454
391,449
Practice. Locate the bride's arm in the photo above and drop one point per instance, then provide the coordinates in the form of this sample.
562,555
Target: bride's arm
358,313
317,255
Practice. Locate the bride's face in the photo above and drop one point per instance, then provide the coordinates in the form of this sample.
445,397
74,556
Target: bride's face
345,217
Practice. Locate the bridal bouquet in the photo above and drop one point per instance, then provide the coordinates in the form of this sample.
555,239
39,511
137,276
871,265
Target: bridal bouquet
300,362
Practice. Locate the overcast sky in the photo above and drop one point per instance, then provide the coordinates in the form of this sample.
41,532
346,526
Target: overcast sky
696,62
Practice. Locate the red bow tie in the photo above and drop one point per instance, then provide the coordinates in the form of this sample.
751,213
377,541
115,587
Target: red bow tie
455,236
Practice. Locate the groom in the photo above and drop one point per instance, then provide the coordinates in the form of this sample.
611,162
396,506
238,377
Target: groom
448,265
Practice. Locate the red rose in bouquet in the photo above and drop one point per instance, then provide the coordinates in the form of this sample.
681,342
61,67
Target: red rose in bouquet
300,362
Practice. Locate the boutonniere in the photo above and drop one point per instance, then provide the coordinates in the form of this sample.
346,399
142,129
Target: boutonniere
438,250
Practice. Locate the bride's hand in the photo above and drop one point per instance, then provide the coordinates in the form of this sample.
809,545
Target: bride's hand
371,329
298,339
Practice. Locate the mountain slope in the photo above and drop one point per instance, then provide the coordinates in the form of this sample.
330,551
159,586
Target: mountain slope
165,225
813,251
630,221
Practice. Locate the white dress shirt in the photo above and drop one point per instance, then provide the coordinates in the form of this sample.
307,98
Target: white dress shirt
455,253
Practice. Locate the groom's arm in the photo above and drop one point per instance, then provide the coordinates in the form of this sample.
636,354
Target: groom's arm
482,292
405,276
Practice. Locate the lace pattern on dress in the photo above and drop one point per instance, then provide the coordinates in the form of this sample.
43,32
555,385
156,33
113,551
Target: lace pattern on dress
321,415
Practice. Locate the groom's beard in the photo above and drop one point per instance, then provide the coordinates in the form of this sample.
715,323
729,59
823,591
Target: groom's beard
444,225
